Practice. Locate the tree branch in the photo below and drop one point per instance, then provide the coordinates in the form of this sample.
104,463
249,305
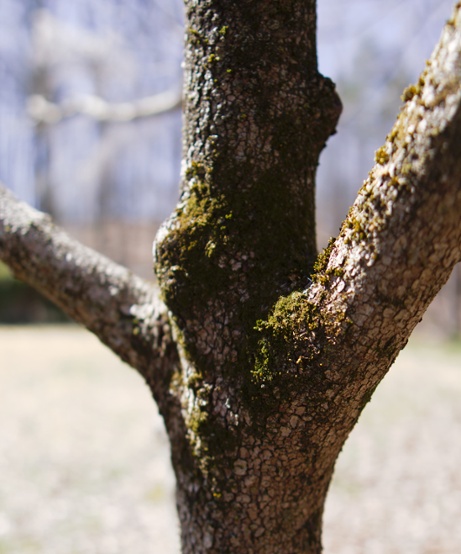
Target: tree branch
330,344
121,309
402,237
43,111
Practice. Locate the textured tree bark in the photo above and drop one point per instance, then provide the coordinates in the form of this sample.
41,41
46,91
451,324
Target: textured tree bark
275,370
257,116
266,353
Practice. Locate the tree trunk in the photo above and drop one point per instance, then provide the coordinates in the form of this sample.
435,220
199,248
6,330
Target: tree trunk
274,370
263,354
257,116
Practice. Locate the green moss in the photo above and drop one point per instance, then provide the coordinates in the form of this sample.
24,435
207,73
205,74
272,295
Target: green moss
397,133
278,336
356,226
198,421
201,227
321,262
196,37
209,438
410,92
381,156
197,170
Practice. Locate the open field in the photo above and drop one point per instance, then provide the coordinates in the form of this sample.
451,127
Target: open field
84,463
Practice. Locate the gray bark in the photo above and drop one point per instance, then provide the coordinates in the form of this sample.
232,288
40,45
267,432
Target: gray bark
267,353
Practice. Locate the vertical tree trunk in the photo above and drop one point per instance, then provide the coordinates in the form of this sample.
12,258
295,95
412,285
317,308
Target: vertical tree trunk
257,116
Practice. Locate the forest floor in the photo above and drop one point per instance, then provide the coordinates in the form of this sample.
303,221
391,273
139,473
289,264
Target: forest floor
84,463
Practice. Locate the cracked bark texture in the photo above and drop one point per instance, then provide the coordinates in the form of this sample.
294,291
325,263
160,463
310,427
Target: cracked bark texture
275,369
266,353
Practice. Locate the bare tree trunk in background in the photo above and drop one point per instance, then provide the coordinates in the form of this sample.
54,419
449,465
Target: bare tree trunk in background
261,354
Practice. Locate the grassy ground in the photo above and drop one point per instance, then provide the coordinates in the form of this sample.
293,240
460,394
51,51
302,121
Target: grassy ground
84,463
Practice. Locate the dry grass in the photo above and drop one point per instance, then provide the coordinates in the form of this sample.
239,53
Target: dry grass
397,487
84,459
83,455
